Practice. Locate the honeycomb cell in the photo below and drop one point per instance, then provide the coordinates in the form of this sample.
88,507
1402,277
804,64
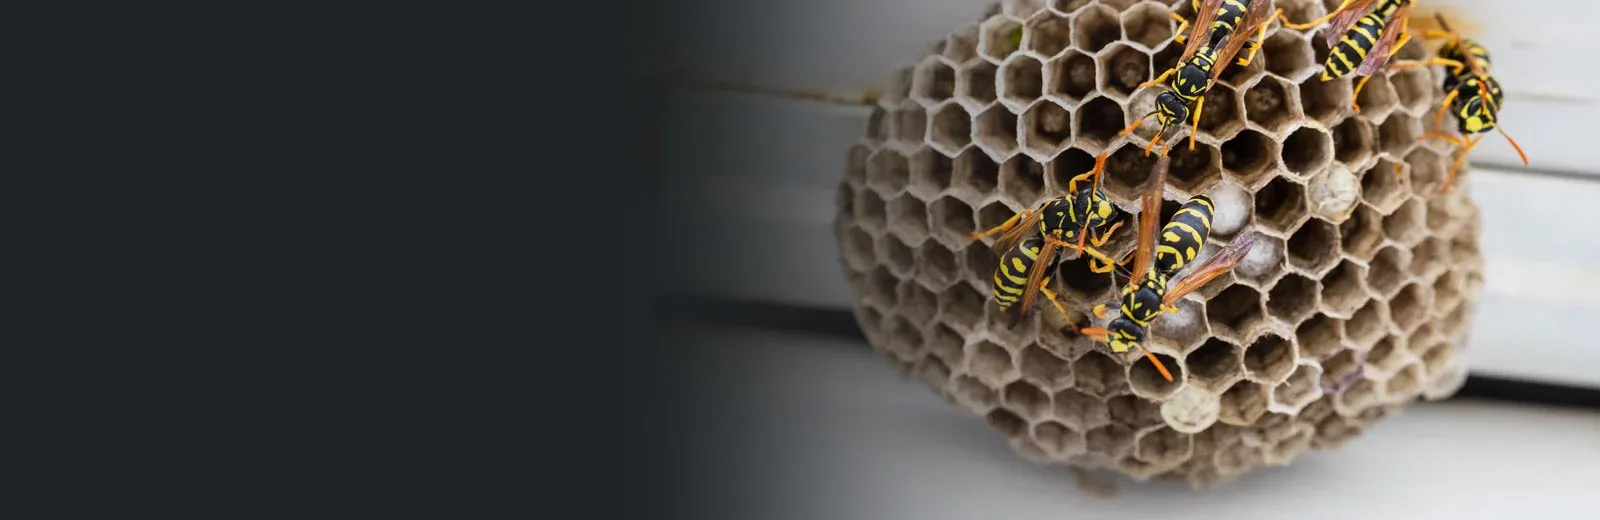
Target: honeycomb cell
1314,247
1021,81
899,86
1377,99
1185,328
1388,271
1307,150
1097,374
1234,312
945,344
1021,9
1048,35
1437,357
1281,205
1288,54
1066,7
934,81
1352,141
1362,232
1407,224
1025,400
911,124
1398,134
1386,358
1249,157
1215,365
975,176
1049,129
1361,395
1059,440
1447,291
1405,382
961,45
1070,163
1410,307
1243,403
1022,179
1367,325
990,363
1342,370
1079,411
1192,410
1300,389
1341,289
1333,193
961,307
1292,299
1126,172
1097,122
1264,261
888,172
952,221
975,83
992,215
1319,337
1045,369
1147,24
996,133
952,129
1194,171
1122,70
1115,441
1134,411
917,303
973,394
1239,76
1096,27
930,173
908,218
1007,422
1414,88
1146,380
998,37
856,247
898,254
1163,446
938,269
1079,284
1325,101
1220,117
1428,170
934,373
1072,76
1271,105
878,125
1269,359
870,213
1430,258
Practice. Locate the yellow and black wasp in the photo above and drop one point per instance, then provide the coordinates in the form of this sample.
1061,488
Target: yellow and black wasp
1159,257
1026,259
1219,32
1472,95
1360,38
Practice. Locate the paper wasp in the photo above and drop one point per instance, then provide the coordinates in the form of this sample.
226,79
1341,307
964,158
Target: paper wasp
1472,95
1160,256
1026,259
1219,32
1360,38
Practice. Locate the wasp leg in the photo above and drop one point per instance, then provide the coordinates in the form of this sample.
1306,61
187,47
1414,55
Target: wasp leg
1099,163
1199,106
1313,23
1444,107
1466,146
1455,66
1095,333
1135,125
1004,226
1261,37
1354,96
1159,79
1051,295
1183,23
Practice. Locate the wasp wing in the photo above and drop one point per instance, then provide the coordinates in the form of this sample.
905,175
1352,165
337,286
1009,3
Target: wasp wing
1041,265
1346,19
1201,30
1258,13
1149,219
1461,45
1381,51
1015,235
1212,267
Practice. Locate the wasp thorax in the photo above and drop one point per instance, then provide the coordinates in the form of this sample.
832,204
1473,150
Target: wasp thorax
1124,335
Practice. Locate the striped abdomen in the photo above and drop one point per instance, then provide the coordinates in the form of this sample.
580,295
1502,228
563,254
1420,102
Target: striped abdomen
1346,55
1450,52
1184,235
1228,16
1012,274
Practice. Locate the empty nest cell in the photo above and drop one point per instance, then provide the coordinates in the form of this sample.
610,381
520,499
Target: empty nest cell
1352,141
1320,337
898,254
1341,289
1080,284
1288,54
989,363
888,172
1235,311
1146,380
973,394
1407,224
1048,35
1193,171
961,45
952,128
1022,179
1126,172
1148,24
938,268
1098,122
1314,246
1007,422
952,220
1302,387
945,344
1056,438
1362,232
1097,374
1410,307
1215,364
1388,271
911,124
1079,411
976,173
961,306
931,173
870,212
856,247
1115,441
1070,163
908,217
1377,98
1134,411
1043,368
1414,88
1307,150
1243,403
1404,382
1427,171
1269,359
1220,116
1095,27
1293,298
1163,446
918,304
975,83
1368,324
1073,76
1398,134
997,132
998,37
1123,69
1049,128
1341,370
1249,156
1281,205
1386,357
1022,80
1268,104
935,80
1026,400
1325,101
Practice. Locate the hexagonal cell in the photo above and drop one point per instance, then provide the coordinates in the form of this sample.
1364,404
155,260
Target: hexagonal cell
990,363
1319,337
992,215
1234,311
1095,28
1122,70
1007,422
945,344
1281,205
1022,179
1437,357
930,173
1113,440
1242,76
1410,307
1045,369
998,37
938,268
1363,231
1163,446
1184,329
911,124
1386,357
961,45
1407,225
1215,365
997,132
935,81
1194,171
899,86
1027,401
976,173
1049,129
1314,246
1430,258
1377,99
917,304
1368,324
1079,411
1300,389
1341,289
878,125
1415,88
1147,382
1070,163
898,254
1147,24
1243,403
1079,284
1097,374
975,83
1269,358
882,283
908,217
1447,292
1065,7
1398,134
1220,117
1269,104
961,307
1134,411
952,220
952,129
1405,382
1333,193
1388,271
1341,370
1307,150
1325,101
870,213
1361,395
1048,35
1428,170
1292,299
1058,439
1126,172
973,394
1072,76
1352,141
1289,55
888,172
1021,81
1021,9
1249,157
1097,122
856,247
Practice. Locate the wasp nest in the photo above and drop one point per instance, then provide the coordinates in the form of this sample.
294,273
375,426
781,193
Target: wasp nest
1354,301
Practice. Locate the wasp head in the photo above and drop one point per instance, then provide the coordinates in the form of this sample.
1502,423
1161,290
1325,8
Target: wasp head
1171,110
1122,335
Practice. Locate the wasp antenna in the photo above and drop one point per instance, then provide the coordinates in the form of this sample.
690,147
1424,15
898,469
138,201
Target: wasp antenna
1513,142
1157,362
